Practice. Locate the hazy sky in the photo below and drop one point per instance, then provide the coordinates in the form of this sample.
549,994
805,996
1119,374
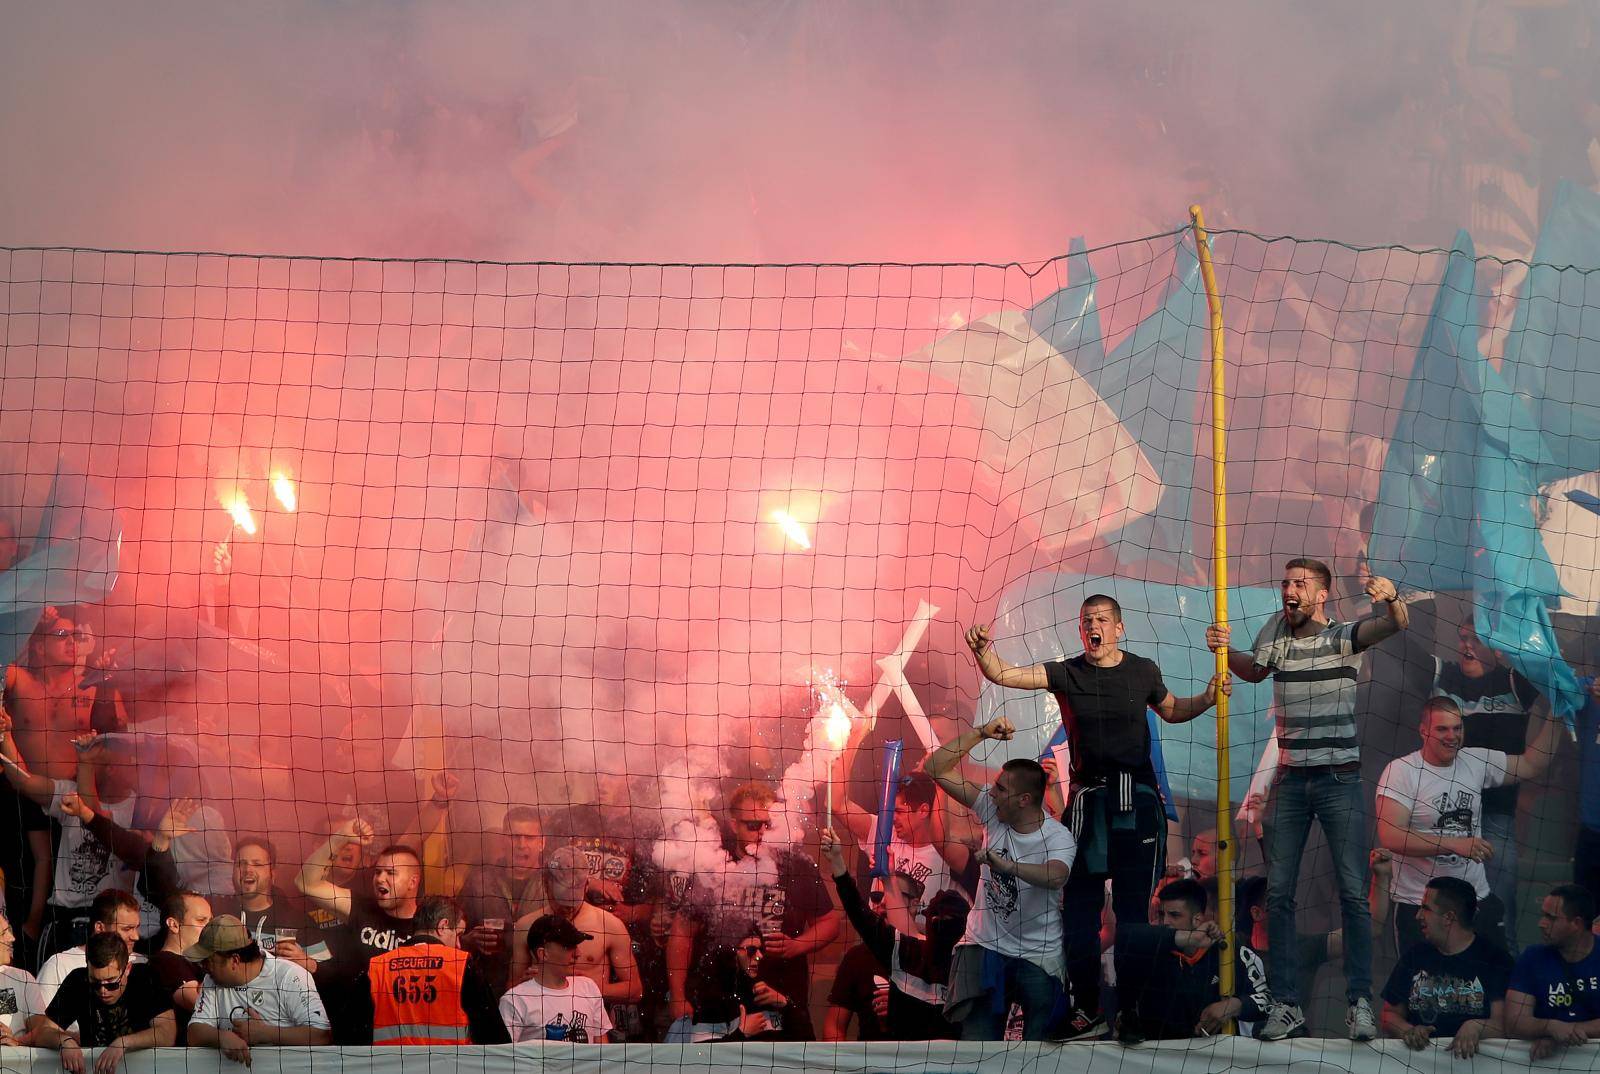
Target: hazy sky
710,130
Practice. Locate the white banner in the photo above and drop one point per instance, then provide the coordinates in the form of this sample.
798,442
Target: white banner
1206,1056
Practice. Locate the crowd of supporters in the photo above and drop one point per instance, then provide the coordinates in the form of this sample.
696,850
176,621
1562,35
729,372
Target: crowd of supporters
1037,906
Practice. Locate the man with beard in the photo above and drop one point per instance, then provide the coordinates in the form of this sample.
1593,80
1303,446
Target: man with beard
606,957
374,922
496,896
1553,997
1116,813
1012,951
1314,663
274,921
778,888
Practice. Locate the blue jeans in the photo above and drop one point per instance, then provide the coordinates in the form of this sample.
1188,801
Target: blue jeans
1501,831
1336,799
1026,985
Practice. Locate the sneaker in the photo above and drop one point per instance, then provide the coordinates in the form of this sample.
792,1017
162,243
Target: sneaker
1128,1033
1363,1026
1079,1024
1283,1020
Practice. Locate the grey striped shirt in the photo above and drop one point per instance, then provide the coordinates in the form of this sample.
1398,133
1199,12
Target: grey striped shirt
1314,691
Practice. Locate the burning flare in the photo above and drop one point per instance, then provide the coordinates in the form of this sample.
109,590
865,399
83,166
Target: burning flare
284,490
238,507
836,726
791,528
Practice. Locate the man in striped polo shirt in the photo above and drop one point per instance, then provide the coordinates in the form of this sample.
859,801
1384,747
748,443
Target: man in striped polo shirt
1314,662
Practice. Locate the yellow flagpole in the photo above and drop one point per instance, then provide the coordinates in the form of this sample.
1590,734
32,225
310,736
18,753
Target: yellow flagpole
1219,577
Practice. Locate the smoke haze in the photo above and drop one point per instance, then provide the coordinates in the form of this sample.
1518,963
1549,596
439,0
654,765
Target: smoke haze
721,131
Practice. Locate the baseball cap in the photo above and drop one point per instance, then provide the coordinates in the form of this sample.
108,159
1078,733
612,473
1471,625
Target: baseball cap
222,935
552,928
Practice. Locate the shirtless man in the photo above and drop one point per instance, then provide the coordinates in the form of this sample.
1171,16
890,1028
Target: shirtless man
43,696
606,957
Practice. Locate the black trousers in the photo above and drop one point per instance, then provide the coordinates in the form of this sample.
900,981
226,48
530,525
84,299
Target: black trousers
1135,857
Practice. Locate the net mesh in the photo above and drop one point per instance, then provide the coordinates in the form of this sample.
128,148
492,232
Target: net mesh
393,547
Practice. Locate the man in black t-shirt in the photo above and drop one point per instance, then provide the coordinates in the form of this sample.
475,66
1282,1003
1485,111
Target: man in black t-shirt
1453,983
275,923
1167,973
116,1006
1116,813
374,922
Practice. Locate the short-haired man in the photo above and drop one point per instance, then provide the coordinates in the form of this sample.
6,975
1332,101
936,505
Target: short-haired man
183,919
919,844
556,1003
112,911
1012,951
781,889
505,893
1452,983
428,990
276,923
1314,663
116,1006
375,921
1116,813
1499,711
1167,972
606,958
1554,995
21,1002
1430,806
251,998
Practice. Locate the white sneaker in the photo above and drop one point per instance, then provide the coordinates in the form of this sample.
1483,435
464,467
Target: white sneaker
1282,1019
1363,1025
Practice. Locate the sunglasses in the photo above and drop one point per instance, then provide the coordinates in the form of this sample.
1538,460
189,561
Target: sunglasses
752,950
107,986
756,825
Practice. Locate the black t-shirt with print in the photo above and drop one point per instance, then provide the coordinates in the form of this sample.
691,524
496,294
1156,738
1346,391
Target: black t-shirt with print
1103,711
1443,991
101,1023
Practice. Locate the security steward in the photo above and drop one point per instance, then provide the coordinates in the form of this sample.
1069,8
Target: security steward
427,990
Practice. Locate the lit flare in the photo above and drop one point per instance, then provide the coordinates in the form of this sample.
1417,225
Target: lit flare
238,507
791,528
284,490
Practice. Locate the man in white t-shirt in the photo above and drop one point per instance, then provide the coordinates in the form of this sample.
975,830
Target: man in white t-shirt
1430,815
113,910
249,997
556,1003
920,845
22,1006
1012,952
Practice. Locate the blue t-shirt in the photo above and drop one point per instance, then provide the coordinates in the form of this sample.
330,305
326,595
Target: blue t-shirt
1565,991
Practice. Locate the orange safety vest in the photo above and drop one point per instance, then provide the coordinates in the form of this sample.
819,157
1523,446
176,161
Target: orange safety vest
416,995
